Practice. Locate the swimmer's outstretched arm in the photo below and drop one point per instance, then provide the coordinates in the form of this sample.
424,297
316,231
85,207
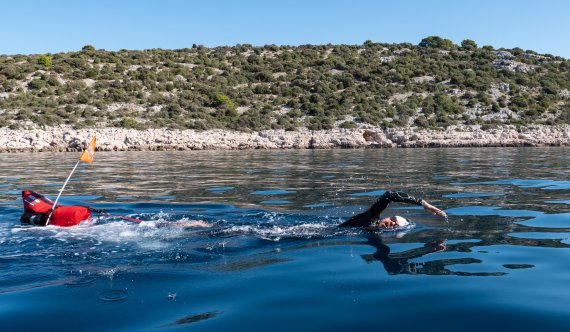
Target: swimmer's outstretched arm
369,216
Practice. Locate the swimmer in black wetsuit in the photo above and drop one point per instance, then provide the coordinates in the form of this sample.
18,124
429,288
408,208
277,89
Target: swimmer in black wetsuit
371,217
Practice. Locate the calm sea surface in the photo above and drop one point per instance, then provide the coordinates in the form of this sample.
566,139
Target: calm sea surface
274,259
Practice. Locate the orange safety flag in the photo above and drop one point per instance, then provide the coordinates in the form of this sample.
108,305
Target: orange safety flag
88,153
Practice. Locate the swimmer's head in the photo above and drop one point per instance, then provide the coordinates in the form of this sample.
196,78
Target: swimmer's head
401,221
392,222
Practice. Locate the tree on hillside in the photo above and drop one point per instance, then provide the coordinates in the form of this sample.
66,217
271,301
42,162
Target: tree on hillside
437,42
88,48
469,44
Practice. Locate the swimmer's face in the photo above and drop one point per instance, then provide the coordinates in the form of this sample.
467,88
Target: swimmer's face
388,222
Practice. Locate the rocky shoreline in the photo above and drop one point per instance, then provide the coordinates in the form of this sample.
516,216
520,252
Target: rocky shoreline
119,139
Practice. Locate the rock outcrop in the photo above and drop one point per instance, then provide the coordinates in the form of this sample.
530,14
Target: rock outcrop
119,139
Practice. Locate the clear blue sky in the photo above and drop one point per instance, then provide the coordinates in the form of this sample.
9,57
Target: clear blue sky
50,26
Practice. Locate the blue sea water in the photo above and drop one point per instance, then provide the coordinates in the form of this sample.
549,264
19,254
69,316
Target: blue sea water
272,257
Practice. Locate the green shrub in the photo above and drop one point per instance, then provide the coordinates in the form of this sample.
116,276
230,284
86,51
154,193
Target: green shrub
221,100
422,122
91,73
348,125
564,116
45,61
127,122
36,84
82,98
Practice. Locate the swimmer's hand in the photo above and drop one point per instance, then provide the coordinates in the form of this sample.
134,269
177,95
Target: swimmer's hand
433,210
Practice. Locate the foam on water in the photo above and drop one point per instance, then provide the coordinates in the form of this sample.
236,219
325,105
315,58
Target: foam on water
276,233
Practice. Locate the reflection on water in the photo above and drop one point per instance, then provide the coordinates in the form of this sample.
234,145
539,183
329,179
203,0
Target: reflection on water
273,241
194,318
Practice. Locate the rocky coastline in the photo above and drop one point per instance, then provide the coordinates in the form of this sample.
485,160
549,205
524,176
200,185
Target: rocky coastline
59,139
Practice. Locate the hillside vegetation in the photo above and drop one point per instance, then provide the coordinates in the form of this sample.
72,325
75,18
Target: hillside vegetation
434,84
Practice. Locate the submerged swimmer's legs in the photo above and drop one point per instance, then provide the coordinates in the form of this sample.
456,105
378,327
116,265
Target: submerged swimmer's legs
193,223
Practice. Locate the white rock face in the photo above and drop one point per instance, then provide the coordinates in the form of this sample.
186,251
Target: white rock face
512,65
119,139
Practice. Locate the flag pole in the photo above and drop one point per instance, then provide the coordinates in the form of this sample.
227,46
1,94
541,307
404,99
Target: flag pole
86,156
60,191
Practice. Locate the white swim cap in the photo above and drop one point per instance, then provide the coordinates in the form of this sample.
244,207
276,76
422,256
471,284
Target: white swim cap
401,221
